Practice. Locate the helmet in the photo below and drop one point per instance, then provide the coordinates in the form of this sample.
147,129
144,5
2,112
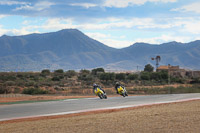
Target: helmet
117,83
94,85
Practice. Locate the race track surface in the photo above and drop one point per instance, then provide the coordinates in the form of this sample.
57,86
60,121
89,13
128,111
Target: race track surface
17,111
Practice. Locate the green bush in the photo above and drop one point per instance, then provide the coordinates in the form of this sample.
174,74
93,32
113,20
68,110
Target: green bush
84,71
97,70
9,83
85,77
145,76
46,72
70,73
2,90
55,78
107,76
34,91
166,90
132,76
17,90
120,76
59,71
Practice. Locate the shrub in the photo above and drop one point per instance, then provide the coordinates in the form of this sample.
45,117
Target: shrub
132,76
70,73
9,83
31,83
46,72
59,71
97,70
33,91
107,76
2,90
120,76
84,71
55,78
85,77
155,76
145,75
17,90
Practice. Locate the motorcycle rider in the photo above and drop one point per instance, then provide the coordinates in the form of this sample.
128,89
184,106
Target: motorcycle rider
97,86
117,84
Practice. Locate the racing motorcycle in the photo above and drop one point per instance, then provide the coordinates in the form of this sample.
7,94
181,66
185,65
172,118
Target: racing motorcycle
100,93
122,91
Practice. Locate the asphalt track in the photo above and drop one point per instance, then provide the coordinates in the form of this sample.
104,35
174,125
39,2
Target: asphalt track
69,106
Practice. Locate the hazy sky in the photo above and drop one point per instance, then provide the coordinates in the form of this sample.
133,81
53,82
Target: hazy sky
116,23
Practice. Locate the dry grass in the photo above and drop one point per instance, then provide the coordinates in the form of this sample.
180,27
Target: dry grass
173,118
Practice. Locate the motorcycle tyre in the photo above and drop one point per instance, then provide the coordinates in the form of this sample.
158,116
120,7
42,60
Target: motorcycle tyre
100,96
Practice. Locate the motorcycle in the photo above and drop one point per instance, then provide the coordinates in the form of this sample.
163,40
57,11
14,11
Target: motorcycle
100,93
122,91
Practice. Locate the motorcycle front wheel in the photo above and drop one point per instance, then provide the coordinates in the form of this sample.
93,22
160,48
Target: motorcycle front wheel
100,96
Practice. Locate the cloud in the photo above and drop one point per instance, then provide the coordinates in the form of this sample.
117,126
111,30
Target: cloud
98,35
21,31
192,27
126,3
149,30
2,31
85,5
110,40
193,7
7,2
36,7
2,16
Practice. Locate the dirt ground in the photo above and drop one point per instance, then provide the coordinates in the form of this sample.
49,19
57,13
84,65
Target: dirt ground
174,118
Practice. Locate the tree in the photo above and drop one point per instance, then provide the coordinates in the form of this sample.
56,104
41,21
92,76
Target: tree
97,70
164,75
84,71
145,75
156,76
107,76
59,71
132,76
70,73
45,71
148,68
120,76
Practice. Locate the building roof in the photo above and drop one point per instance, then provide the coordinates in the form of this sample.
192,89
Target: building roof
163,67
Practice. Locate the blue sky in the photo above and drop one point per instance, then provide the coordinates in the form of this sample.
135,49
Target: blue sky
116,23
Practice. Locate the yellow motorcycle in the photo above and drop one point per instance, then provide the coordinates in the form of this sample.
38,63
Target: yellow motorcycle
122,91
100,93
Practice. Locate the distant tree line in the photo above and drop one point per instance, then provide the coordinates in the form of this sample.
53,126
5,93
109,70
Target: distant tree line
41,82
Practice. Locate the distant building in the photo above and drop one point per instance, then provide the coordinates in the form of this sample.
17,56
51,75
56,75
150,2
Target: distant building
193,74
175,71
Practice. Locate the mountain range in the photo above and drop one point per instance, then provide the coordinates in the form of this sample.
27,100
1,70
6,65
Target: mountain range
71,49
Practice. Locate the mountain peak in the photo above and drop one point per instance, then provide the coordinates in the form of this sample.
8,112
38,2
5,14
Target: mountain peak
4,36
172,43
72,49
